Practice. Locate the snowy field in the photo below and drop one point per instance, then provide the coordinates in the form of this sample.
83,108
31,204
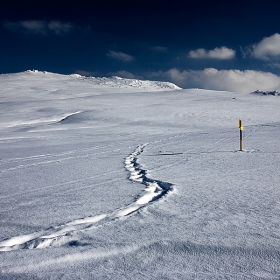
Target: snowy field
126,179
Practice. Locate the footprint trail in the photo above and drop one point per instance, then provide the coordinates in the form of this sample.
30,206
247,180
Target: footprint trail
63,234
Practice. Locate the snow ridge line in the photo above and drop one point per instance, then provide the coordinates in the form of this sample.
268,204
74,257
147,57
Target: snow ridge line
65,235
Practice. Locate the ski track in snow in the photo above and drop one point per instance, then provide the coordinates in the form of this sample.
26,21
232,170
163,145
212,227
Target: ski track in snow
62,234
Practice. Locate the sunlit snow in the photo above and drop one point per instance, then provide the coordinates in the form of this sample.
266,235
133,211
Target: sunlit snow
111,178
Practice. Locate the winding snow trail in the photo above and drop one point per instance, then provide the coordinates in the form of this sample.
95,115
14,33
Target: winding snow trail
62,234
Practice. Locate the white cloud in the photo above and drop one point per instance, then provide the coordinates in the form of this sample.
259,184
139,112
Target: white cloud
217,53
40,27
274,65
229,80
60,28
33,26
245,51
29,26
159,49
267,48
120,56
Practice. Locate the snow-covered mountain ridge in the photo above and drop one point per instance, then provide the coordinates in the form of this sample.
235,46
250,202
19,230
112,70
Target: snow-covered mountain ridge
116,81
102,82
260,92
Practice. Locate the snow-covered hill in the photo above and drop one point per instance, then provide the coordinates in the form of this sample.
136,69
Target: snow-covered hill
103,180
274,92
119,82
50,80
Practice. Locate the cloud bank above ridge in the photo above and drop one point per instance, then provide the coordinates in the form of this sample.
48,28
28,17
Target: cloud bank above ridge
40,27
120,56
217,53
228,80
267,48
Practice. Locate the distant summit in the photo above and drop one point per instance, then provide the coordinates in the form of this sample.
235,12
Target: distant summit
119,82
274,93
109,82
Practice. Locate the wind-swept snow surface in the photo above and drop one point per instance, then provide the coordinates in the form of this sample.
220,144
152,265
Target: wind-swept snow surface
115,179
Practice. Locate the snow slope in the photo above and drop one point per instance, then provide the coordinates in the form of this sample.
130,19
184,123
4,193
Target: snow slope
115,179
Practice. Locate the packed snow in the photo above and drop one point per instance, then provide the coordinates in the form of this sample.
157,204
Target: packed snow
111,178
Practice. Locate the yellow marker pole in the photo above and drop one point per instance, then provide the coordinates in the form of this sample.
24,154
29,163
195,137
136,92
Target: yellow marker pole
241,129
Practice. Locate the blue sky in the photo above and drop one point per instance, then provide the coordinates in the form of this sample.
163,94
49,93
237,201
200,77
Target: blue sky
224,45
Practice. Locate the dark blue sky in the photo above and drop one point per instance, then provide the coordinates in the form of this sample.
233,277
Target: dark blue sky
144,39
